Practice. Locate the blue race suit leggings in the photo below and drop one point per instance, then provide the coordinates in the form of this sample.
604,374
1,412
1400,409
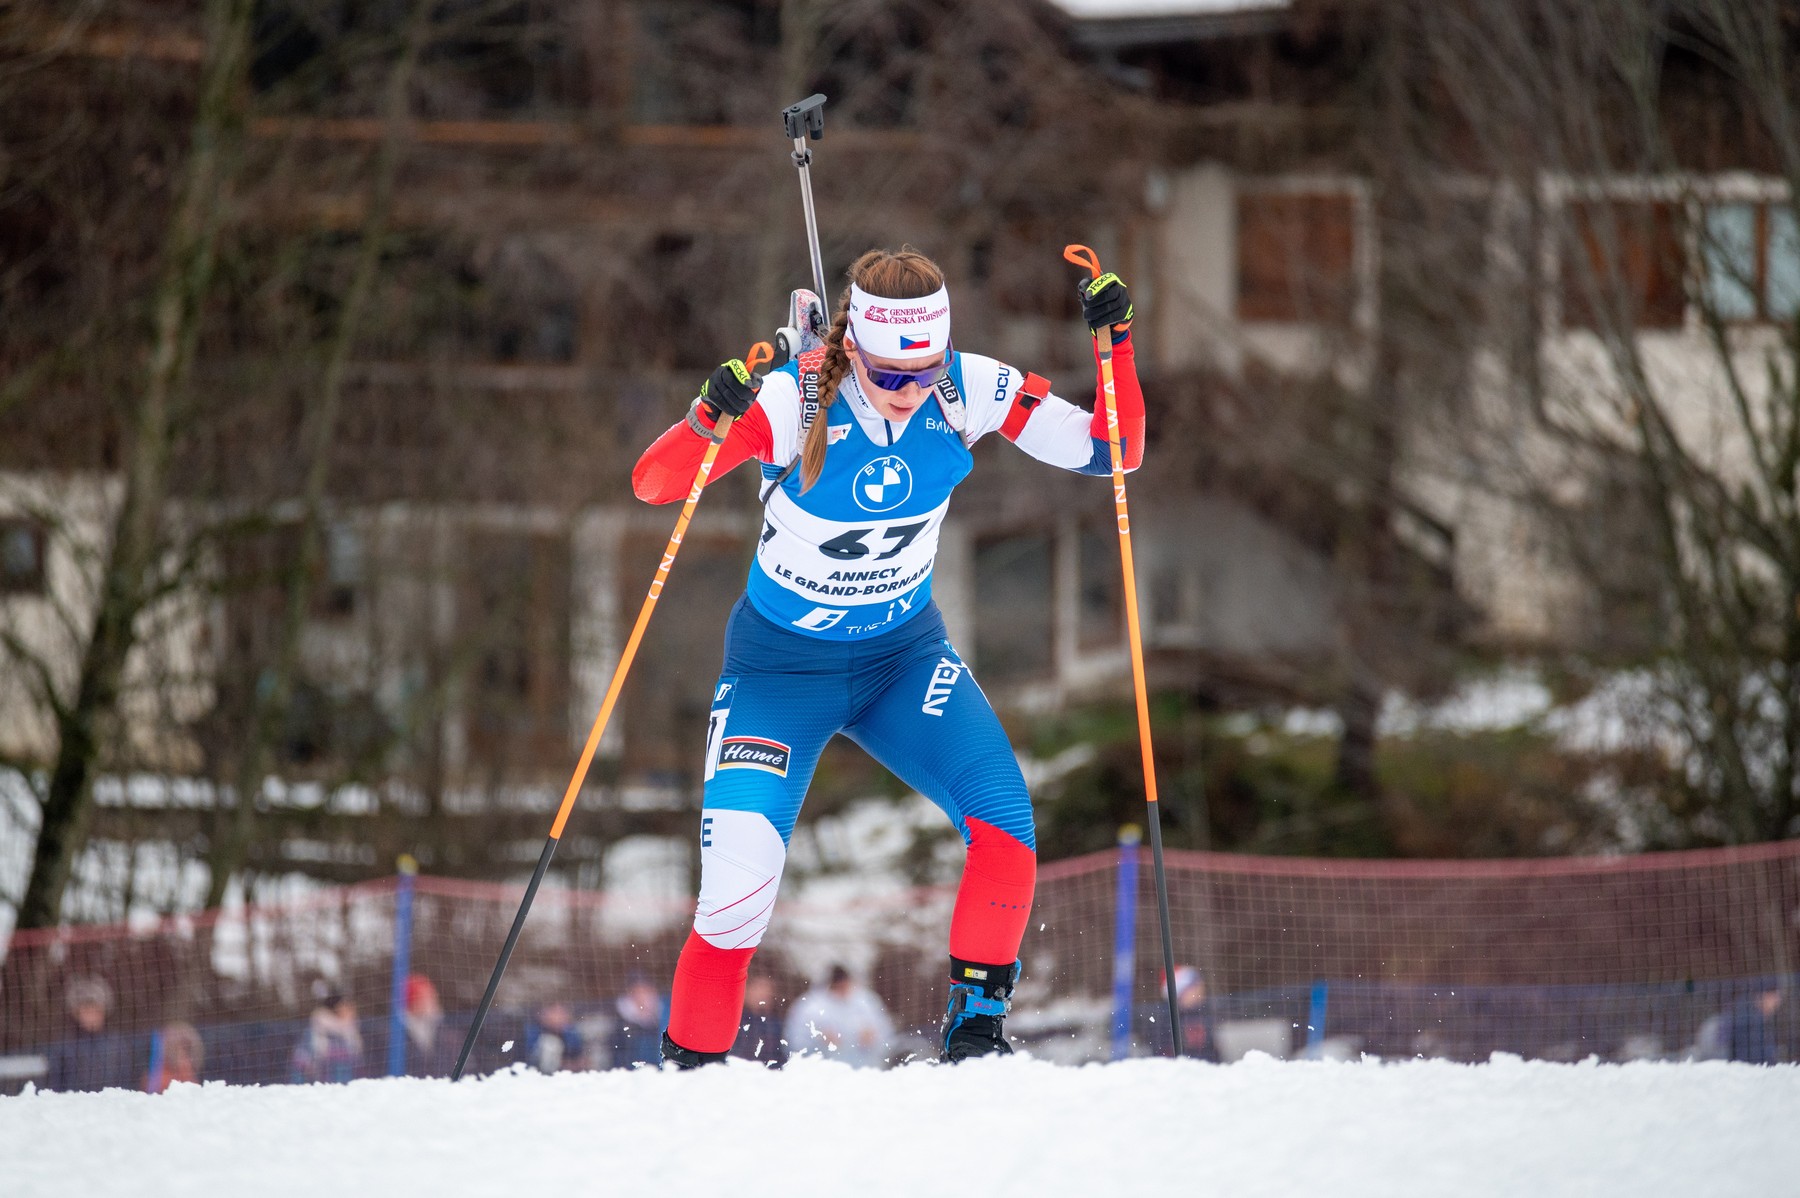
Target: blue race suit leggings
908,699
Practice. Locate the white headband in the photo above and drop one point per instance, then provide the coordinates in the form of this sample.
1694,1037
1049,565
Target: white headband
900,329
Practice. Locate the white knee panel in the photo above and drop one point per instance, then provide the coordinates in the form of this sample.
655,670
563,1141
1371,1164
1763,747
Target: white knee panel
741,857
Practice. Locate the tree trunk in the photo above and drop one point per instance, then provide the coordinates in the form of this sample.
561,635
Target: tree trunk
778,269
137,539
1359,708
225,854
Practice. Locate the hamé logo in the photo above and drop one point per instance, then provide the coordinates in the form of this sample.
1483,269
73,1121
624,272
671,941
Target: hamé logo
754,753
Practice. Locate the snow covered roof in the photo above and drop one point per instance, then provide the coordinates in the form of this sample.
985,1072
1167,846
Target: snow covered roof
1114,10
1116,24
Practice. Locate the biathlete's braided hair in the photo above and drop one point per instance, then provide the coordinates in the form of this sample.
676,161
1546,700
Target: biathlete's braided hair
900,275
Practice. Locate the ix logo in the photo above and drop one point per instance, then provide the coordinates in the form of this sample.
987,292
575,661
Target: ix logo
820,618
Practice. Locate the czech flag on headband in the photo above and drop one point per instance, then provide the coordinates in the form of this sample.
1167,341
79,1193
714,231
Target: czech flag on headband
914,342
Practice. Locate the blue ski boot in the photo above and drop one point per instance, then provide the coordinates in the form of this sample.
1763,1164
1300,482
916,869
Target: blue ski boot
980,997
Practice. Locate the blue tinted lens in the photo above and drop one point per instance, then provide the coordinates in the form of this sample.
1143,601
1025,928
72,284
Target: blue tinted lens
894,380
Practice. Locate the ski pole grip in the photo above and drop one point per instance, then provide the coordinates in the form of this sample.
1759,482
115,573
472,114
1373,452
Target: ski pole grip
1080,255
805,118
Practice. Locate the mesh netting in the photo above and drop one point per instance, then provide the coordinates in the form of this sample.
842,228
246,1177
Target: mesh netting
1551,958
1554,959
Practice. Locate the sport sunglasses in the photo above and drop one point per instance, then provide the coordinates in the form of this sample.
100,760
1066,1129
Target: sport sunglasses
894,380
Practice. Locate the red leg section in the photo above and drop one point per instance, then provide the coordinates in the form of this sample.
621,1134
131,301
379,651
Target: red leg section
994,901
708,996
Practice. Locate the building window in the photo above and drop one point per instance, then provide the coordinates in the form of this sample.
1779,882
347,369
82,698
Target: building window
1752,257
531,311
675,42
1014,632
663,711
1296,257
344,573
514,616
508,59
21,556
1623,266
1101,601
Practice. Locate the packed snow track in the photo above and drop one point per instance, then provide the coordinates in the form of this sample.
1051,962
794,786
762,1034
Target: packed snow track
989,1127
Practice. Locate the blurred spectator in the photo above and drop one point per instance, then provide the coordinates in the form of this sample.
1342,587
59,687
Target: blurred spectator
1199,1030
1750,1028
88,1058
331,1049
843,1019
759,1031
178,1057
637,1038
552,1041
1710,1042
428,1052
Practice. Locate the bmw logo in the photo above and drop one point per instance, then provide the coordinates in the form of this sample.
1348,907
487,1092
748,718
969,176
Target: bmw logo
883,485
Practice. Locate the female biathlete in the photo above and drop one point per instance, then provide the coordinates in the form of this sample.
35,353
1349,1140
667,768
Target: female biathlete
837,632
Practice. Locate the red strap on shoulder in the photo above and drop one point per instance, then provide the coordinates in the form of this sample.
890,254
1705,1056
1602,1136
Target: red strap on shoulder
1035,389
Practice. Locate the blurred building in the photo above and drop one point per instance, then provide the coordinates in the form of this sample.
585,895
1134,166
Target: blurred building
593,205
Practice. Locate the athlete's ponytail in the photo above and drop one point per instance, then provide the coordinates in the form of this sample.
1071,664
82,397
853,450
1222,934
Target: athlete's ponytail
906,274
831,372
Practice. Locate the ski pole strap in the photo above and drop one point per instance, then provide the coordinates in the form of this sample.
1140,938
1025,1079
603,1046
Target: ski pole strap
1082,256
695,422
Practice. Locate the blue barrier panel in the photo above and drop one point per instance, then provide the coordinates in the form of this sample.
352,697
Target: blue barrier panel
1124,941
154,1073
1315,1017
403,907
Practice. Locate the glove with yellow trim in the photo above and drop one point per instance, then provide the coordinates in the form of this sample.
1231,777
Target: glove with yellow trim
1106,304
728,390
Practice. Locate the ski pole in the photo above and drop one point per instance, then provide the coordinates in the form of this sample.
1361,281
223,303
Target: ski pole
760,354
800,120
1081,255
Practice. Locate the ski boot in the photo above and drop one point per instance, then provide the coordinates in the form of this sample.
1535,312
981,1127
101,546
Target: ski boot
686,1058
980,997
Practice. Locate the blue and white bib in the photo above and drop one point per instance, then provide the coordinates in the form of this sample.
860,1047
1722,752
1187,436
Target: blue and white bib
852,556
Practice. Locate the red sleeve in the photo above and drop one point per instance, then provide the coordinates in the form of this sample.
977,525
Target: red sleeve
666,471
1130,399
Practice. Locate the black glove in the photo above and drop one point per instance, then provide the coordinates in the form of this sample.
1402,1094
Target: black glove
729,389
1106,304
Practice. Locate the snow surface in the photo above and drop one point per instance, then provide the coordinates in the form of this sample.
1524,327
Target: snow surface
1005,1127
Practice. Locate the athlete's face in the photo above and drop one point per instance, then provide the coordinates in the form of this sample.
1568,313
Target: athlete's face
891,405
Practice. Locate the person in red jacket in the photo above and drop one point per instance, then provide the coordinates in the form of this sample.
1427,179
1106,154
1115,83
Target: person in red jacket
861,443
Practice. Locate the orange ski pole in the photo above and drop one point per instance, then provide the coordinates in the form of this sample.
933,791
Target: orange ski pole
1082,256
760,354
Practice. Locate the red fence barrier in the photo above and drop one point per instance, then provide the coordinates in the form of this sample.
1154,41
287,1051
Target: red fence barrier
1545,957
